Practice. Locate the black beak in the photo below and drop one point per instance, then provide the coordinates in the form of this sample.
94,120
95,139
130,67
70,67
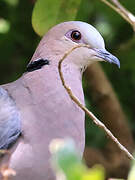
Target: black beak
106,56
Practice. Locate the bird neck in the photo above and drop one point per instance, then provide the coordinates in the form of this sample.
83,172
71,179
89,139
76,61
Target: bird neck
47,79
54,106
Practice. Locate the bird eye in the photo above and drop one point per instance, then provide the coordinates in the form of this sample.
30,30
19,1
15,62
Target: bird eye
75,35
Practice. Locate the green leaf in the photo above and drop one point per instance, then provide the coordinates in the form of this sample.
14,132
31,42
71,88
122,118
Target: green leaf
4,26
12,2
131,175
66,159
95,173
47,13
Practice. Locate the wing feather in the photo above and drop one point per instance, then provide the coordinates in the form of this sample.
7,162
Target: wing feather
10,123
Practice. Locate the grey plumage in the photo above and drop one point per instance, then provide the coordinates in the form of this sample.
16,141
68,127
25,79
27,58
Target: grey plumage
10,124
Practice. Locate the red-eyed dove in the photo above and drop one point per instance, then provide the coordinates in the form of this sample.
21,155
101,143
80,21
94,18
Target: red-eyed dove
36,108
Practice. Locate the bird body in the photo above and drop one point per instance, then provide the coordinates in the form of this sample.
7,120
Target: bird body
43,108
43,119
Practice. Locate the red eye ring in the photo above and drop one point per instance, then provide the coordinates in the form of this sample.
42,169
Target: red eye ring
76,35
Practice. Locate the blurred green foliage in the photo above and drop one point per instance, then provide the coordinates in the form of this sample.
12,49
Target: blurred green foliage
49,13
131,175
66,159
18,43
4,26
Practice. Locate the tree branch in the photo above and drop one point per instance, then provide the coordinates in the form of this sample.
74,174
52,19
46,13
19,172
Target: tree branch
116,167
107,103
110,109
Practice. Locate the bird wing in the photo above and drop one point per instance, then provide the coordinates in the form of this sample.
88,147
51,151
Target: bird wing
10,122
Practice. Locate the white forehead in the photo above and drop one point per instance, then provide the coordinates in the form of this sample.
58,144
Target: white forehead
91,35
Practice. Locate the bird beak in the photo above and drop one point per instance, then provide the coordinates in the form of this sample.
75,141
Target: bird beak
106,56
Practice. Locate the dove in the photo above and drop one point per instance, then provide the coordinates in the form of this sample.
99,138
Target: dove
36,108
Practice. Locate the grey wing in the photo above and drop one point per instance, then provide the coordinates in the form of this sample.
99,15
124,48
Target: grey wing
10,123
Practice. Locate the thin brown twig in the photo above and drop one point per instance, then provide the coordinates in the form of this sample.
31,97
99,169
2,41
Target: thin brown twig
125,12
89,113
116,6
117,10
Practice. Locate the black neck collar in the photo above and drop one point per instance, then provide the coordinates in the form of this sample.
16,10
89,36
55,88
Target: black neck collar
38,64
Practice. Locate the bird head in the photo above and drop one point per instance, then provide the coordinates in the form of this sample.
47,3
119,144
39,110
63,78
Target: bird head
65,36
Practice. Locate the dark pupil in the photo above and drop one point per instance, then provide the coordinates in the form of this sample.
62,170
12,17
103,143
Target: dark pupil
76,35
